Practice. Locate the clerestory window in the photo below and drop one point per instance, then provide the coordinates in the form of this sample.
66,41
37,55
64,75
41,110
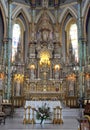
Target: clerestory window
74,39
16,36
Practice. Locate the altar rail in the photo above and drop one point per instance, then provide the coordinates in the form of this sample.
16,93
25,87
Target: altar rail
30,115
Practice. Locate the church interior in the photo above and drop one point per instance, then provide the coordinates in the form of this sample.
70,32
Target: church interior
45,64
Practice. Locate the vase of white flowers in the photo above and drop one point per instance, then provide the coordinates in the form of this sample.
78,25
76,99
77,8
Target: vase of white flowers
43,113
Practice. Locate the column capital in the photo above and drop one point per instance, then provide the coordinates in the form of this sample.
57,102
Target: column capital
79,1
10,1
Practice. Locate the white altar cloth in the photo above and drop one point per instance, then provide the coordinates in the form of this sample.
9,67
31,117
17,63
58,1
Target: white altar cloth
37,104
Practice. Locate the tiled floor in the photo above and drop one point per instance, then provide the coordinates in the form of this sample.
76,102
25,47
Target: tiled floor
15,123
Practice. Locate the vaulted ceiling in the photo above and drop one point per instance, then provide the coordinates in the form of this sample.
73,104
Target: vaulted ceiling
38,3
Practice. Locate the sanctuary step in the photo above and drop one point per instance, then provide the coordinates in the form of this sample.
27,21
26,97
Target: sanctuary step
71,112
65,111
19,112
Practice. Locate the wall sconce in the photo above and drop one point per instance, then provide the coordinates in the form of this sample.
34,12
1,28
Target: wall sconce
19,77
2,75
87,76
71,77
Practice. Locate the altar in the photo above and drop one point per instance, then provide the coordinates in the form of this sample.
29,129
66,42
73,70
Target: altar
49,103
30,114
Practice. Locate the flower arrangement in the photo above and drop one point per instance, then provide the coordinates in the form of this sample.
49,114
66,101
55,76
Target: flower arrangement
43,113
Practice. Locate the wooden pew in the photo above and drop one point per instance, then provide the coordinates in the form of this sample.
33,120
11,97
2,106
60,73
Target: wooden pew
2,114
2,117
87,109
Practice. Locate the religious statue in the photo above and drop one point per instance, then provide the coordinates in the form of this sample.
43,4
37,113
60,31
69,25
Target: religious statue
45,35
18,89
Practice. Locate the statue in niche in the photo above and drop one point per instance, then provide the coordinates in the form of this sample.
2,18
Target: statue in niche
18,89
45,27
57,70
45,35
32,74
71,88
56,74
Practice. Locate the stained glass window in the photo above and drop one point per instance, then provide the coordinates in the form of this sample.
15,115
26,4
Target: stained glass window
15,39
74,40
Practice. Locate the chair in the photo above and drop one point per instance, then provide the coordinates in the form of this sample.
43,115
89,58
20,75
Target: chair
2,114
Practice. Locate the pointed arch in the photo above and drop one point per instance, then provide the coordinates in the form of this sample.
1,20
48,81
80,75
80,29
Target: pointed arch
4,15
25,21
49,14
4,8
68,15
66,11
85,14
19,22
85,8
23,10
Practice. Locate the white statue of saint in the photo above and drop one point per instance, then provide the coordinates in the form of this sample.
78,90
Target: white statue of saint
32,74
45,35
18,89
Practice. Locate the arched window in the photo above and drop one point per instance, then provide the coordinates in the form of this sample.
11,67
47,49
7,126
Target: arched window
74,40
15,39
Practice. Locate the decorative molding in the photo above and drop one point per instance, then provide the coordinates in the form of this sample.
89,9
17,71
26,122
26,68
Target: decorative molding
65,12
23,10
48,13
5,15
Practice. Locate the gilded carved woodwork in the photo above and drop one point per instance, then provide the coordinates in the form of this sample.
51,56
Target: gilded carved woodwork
43,66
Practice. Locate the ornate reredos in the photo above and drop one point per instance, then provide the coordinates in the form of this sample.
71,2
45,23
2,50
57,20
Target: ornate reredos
44,28
45,22
44,54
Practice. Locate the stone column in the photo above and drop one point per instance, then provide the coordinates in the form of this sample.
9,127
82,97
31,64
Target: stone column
9,50
81,53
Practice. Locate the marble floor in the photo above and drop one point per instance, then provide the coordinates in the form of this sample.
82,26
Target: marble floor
16,123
